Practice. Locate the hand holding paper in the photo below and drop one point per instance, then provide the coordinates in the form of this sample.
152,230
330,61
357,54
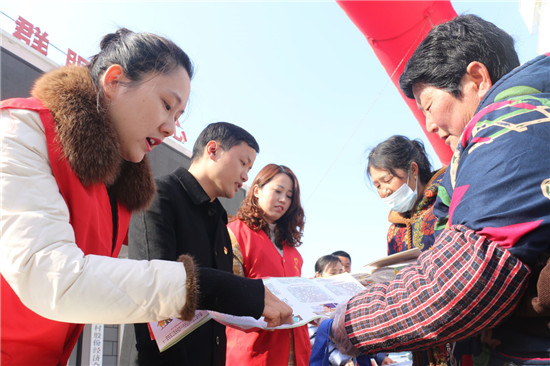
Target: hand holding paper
276,312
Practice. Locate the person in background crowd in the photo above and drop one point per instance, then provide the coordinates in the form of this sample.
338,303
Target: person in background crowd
464,77
266,231
187,218
345,258
328,265
73,167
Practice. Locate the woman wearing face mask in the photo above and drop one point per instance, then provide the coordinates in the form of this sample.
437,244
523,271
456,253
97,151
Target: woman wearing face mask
401,173
267,229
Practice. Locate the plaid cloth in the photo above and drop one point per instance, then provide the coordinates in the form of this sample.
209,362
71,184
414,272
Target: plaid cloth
448,295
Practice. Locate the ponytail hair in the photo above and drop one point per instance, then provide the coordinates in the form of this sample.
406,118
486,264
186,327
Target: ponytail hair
138,54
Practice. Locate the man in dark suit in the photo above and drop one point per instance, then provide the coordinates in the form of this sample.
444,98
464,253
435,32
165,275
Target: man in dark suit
186,217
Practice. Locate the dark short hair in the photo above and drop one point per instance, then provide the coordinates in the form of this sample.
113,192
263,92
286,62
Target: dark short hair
341,253
398,152
138,54
442,57
325,261
224,133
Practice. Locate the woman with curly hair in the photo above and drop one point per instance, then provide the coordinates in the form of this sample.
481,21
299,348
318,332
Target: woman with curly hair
265,233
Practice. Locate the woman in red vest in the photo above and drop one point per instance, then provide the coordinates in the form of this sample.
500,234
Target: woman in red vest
267,229
72,167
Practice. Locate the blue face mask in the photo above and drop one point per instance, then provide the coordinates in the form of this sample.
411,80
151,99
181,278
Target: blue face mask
403,199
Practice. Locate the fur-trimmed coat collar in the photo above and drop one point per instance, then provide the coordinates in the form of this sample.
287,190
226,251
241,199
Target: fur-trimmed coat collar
88,139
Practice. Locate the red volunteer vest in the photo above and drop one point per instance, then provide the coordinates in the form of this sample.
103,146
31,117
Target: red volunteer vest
261,259
26,337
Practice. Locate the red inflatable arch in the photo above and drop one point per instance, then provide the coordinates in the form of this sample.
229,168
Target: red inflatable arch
394,29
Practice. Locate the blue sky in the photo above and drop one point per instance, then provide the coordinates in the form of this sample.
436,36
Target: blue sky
298,75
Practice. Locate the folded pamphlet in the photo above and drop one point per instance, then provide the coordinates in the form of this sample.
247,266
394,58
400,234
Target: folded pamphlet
311,299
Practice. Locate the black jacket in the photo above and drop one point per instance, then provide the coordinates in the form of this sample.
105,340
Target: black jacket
182,220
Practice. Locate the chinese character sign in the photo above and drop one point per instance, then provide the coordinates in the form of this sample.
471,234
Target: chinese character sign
23,30
179,134
74,59
31,35
96,346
